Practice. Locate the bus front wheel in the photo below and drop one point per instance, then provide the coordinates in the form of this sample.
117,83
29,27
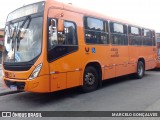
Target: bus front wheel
90,79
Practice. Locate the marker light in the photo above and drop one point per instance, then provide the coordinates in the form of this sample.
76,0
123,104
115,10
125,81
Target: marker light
35,72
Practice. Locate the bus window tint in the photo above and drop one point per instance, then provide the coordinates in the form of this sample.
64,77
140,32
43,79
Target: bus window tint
95,24
147,37
118,34
134,30
118,28
154,38
158,47
52,33
134,36
96,31
68,36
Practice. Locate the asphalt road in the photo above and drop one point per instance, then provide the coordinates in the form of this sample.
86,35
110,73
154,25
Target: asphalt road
119,94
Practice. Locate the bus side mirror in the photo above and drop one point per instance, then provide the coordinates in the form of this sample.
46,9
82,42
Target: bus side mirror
60,25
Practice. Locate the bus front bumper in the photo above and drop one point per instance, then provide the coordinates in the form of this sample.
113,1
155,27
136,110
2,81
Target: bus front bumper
38,85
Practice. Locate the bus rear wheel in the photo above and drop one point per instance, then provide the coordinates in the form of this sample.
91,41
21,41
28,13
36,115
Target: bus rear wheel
90,79
140,70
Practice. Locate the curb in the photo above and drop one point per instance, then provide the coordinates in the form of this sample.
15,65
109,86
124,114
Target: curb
3,89
9,92
6,91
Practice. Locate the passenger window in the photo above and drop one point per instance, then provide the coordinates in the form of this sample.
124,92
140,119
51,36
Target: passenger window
135,31
118,28
67,37
96,31
95,24
134,36
147,37
154,38
118,34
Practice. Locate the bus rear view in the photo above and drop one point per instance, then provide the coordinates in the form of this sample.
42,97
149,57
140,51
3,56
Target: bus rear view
22,59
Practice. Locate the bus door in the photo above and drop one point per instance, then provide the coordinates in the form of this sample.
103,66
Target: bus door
64,53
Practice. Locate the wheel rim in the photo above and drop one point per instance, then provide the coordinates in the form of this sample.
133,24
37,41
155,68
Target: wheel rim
140,70
89,79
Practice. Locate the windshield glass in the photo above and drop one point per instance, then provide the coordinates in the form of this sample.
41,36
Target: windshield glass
23,40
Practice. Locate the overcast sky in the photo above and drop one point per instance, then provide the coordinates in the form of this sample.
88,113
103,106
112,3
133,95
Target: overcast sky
142,12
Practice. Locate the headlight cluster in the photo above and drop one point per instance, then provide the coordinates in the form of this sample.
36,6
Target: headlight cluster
35,72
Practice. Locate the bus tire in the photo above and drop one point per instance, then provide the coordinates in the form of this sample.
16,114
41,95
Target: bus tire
90,79
140,70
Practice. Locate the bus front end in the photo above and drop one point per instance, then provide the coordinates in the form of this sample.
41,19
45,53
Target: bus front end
24,66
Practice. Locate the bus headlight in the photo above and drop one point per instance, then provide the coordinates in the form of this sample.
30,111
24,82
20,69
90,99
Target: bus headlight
35,72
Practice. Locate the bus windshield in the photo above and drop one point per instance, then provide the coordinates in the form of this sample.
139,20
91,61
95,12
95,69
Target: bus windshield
23,40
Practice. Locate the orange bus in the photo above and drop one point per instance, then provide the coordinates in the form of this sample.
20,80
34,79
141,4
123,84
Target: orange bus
158,52
50,46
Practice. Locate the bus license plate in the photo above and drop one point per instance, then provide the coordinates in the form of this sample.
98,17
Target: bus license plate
13,87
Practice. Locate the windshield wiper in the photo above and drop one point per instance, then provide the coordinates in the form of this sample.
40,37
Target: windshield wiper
19,30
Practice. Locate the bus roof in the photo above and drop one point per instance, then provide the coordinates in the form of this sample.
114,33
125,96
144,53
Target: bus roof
70,7
90,13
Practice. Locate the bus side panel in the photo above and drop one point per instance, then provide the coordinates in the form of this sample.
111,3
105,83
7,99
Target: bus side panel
73,81
58,81
134,52
148,55
154,57
158,53
119,55
107,62
109,71
109,67
101,55
158,64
